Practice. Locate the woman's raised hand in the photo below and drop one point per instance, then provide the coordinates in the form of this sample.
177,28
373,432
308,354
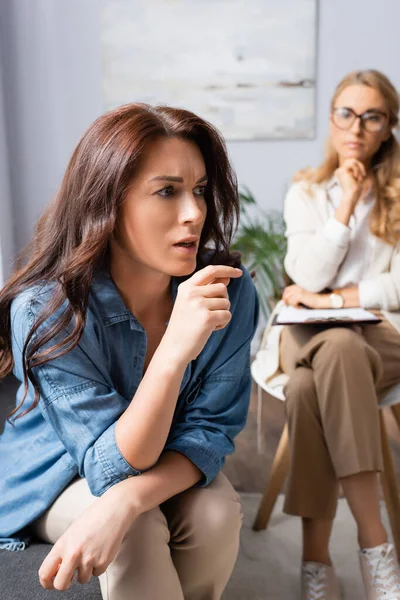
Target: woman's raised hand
355,183
351,175
353,179
202,306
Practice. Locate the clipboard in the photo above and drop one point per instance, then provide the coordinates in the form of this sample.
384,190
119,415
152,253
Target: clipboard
308,316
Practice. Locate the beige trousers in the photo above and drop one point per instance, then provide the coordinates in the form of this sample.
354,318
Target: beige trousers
185,549
337,375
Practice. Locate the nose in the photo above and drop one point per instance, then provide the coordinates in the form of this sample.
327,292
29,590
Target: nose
356,127
192,209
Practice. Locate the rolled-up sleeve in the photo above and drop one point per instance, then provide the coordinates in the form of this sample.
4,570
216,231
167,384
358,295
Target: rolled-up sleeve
217,406
338,233
79,401
218,414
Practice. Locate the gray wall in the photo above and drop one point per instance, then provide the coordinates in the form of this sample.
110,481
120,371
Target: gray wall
6,219
52,91
51,75
352,34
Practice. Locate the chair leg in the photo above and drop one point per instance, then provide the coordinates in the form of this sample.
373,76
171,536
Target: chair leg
390,490
259,419
279,471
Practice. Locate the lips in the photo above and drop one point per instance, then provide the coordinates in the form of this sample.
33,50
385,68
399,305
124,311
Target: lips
188,242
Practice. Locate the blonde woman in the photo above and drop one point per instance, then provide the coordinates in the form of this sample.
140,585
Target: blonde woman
343,230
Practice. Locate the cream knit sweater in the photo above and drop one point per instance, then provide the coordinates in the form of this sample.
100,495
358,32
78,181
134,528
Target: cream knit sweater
317,245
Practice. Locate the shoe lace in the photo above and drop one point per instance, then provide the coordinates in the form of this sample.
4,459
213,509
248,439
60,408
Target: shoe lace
315,581
385,573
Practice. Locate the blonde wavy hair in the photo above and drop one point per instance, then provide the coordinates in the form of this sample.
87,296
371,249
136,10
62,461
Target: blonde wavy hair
385,216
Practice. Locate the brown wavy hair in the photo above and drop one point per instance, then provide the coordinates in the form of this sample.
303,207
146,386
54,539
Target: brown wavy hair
385,165
72,237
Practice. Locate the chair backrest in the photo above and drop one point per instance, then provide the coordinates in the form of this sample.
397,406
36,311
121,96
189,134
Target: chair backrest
392,397
274,386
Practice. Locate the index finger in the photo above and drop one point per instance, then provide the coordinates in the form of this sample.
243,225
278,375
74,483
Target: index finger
212,272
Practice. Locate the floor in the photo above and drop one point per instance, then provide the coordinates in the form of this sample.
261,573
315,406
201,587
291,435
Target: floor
268,564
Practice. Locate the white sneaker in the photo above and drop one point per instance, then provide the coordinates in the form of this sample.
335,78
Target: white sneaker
319,582
380,572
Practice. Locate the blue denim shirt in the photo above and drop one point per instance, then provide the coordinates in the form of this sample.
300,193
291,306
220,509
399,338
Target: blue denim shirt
83,393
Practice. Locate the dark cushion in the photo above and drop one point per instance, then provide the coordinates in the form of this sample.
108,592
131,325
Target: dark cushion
19,570
8,389
19,578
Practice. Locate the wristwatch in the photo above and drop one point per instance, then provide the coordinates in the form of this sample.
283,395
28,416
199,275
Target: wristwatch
336,300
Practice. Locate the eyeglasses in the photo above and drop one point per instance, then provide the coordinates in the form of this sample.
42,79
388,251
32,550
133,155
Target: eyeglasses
372,121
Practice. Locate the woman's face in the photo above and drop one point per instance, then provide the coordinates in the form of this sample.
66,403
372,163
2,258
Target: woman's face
164,212
349,136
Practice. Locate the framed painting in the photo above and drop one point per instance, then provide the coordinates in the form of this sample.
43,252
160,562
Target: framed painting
248,67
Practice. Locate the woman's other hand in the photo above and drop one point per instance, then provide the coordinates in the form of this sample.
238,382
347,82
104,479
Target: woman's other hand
202,306
90,544
295,296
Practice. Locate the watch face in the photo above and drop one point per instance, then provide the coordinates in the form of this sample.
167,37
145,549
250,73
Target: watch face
336,300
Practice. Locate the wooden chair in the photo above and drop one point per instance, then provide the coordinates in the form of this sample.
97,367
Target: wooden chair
280,465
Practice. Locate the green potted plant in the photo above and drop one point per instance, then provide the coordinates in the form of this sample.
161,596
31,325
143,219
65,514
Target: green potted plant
261,240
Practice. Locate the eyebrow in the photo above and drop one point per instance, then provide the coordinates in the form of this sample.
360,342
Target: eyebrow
377,110
176,179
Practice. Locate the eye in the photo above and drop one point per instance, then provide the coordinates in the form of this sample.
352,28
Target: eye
200,190
373,118
166,191
344,113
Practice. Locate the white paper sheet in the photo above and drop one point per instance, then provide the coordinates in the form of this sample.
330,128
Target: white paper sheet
288,314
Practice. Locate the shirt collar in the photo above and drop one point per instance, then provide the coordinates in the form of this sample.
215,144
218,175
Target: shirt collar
109,302
332,182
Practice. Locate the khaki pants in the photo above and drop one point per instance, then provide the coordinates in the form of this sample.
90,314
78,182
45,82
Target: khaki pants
185,549
337,375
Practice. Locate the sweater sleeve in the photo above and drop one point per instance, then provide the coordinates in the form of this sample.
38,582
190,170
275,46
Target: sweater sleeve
314,253
383,290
